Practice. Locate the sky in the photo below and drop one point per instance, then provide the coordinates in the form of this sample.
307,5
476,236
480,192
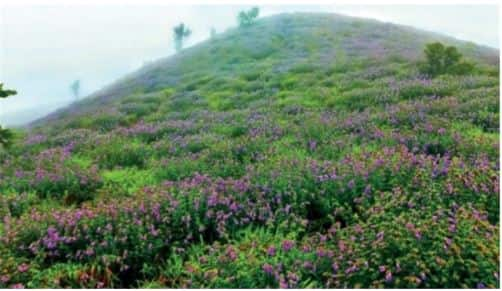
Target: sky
43,49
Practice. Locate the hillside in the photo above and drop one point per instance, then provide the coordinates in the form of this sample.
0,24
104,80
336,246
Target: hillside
303,151
278,45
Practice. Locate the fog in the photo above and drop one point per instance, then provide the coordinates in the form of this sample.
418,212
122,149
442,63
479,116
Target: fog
43,49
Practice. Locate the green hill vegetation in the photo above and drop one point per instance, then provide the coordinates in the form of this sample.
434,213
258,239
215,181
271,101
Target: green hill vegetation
301,150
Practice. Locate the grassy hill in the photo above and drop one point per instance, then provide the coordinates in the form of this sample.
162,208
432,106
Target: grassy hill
304,151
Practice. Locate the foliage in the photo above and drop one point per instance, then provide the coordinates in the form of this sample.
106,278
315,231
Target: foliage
181,32
247,18
53,174
444,60
5,134
4,93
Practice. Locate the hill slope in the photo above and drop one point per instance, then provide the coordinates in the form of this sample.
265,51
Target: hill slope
278,44
303,151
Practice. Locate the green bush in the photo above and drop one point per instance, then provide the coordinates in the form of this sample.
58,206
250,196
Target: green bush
444,60
119,153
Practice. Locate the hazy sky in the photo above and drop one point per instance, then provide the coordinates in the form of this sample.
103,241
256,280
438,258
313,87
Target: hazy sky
44,48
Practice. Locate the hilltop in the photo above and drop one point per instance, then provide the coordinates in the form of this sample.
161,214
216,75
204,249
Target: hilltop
280,44
304,151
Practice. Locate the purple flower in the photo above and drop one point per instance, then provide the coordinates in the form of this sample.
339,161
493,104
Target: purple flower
19,174
283,284
381,269
341,246
156,211
268,269
351,269
89,252
367,189
17,286
335,267
287,245
4,278
153,231
480,286
234,207
308,265
312,145
23,267
230,252
388,276
271,251
293,279
320,252
52,238
212,200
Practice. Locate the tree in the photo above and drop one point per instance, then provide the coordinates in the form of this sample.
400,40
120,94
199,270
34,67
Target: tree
4,93
451,57
247,18
181,32
444,60
75,88
5,134
434,54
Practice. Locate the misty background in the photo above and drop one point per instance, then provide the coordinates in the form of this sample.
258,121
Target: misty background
43,49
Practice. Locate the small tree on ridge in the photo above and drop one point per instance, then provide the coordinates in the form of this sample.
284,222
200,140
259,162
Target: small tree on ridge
247,18
181,32
75,88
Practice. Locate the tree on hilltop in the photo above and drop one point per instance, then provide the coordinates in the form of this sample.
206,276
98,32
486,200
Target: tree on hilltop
247,18
181,32
75,88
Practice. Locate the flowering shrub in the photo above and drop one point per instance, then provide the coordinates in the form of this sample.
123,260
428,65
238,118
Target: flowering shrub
166,219
53,174
117,153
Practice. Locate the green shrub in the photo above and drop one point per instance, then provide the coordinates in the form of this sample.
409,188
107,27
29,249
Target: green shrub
444,60
119,153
